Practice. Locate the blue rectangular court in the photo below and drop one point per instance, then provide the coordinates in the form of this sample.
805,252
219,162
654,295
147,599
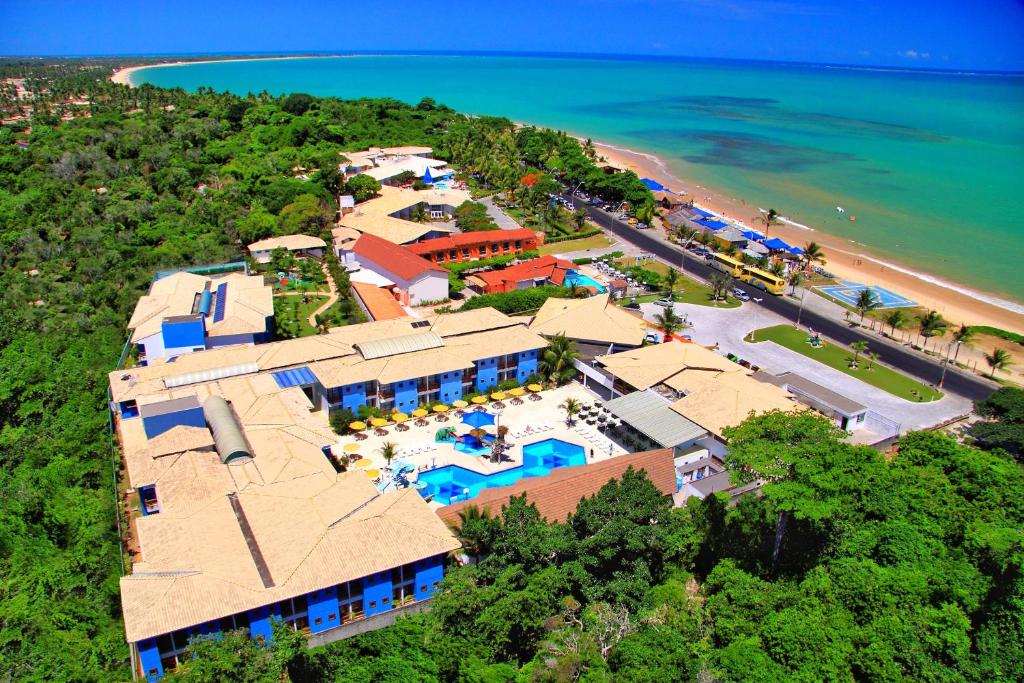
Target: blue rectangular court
847,292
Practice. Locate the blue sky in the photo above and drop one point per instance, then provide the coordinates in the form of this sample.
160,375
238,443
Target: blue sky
907,33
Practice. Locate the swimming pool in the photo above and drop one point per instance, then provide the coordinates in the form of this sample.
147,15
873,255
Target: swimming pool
451,484
574,277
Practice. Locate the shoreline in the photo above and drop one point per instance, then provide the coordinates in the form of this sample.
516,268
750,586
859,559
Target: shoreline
846,259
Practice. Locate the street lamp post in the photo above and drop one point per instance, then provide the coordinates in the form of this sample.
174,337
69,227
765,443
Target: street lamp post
945,363
800,312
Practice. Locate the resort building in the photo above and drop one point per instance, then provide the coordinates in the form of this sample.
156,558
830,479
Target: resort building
546,270
708,389
472,246
184,312
344,240
397,364
596,324
557,494
298,245
427,170
379,303
244,520
374,157
413,279
391,214
848,414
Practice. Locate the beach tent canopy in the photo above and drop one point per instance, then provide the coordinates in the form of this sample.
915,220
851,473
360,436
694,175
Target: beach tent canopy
478,418
775,244
653,185
752,235
702,212
795,250
427,178
711,225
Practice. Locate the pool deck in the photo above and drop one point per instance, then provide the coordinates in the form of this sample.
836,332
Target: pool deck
516,418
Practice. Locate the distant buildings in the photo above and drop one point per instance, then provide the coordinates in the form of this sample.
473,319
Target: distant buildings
413,279
298,245
596,324
473,246
546,270
185,312
391,215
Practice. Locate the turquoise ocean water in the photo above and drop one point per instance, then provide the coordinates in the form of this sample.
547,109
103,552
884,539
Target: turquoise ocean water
931,164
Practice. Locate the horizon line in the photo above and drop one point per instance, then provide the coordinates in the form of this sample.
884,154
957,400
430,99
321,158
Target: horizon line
523,53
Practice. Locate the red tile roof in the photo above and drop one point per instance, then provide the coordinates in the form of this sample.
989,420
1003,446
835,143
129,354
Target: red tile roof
548,267
557,494
466,239
392,257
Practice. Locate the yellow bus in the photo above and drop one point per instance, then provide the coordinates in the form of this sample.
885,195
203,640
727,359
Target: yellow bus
726,264
773,284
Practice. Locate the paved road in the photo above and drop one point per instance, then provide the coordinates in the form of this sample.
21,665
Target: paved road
912,363
500,218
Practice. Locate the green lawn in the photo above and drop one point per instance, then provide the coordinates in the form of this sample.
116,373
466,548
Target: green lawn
297,323
687,291
595,242
839,358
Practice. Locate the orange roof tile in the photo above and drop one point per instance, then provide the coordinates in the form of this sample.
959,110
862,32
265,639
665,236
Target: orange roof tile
466,239
557,494
392,257
549,267
378,301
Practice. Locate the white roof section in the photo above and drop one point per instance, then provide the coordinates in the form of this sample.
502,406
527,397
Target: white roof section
651,415
289,242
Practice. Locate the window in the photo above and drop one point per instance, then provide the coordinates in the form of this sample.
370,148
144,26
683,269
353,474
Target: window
519,244
318,621
453,254
504,246
421,323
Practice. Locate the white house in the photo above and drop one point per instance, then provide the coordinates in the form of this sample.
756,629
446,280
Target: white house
299,245
416,279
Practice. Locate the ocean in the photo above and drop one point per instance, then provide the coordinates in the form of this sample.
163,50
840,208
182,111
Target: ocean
930,163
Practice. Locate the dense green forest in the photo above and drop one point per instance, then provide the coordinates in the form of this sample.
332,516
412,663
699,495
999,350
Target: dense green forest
848,567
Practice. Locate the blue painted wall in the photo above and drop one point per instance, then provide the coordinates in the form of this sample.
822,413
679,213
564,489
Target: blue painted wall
428,572
260,622
149,656
451,386
353,396
377,593
405,395
527,364
184,334
486,373
158,424
323,608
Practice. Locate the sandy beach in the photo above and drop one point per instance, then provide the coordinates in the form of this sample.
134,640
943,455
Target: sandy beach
124,76
848,261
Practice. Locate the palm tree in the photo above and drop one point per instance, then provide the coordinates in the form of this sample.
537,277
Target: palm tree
572,408
964,335
669,321
719,283
472,530
705,238
930,323
579,217
813,254
768,219
388,451
730,249
685,234
897,317
556,363
866,302
795,280
999,359
873,358
671,280
859,347
778,268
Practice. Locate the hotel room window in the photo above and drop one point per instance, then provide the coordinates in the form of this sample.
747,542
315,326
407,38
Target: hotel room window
465,253
453,255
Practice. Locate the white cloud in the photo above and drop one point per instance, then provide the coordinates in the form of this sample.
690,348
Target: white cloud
908,54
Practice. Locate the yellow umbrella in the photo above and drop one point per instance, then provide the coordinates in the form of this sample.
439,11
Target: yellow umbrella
372,474
518,391
351,447
479,399
498,396
399,418
419,412
535,387
363,462
460,403
357,426
441,408
378,422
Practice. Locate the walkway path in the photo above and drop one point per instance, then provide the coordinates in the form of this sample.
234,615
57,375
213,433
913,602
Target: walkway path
501,219
330,299
728,327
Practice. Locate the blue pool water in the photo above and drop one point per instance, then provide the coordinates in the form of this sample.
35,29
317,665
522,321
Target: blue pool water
574,277
449,484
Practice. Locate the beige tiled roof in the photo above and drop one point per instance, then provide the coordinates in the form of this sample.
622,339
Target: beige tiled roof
248,304
290,242
374,215
313,527
719,393
593,319
328,354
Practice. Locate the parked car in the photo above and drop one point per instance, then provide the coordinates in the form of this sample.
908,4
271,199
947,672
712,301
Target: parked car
633,222
667,303
642,226
741,295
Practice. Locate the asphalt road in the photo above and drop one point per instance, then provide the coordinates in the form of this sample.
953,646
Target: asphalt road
923,368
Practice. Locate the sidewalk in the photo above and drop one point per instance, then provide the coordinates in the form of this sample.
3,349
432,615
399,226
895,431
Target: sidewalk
501,219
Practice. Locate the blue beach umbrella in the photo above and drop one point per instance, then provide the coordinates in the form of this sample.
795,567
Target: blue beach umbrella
427,178
478,419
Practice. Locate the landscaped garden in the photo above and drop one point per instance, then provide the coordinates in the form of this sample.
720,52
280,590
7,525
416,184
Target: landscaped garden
859,364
